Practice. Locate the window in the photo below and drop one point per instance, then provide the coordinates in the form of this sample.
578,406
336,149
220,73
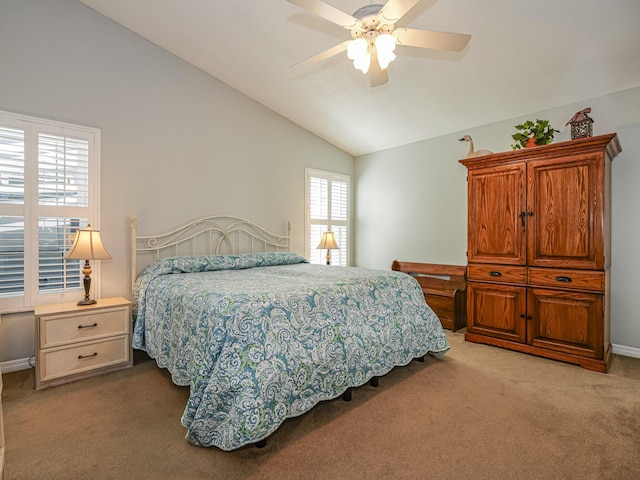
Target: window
327,208
48,190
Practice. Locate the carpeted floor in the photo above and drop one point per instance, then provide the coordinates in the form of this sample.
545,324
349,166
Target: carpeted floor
480,412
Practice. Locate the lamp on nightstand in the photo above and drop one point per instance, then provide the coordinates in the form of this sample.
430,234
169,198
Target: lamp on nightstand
328,241
87,246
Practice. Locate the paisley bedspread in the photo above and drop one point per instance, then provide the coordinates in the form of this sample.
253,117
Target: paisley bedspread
259,338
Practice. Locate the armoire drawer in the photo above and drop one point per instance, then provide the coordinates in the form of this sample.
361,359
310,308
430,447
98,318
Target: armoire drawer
486,272
565,278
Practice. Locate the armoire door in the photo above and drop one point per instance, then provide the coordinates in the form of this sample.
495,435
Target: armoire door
497,311
496,226
565,212
568,322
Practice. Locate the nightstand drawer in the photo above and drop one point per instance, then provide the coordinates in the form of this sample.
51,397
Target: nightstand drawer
85,357
69,328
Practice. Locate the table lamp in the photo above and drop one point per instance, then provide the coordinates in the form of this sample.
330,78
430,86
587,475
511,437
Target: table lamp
87,246
328,241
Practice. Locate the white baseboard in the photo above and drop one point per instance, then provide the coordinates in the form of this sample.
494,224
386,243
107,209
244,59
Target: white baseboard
625,351
15,365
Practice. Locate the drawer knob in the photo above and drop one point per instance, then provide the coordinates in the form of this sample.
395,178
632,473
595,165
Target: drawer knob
80,327
495,274
563,279
94,354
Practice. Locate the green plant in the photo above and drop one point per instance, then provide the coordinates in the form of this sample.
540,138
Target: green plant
540,130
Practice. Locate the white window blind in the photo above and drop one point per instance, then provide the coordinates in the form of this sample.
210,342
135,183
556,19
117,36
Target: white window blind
11,256
11,165
63,171
54,239
48,190
327,200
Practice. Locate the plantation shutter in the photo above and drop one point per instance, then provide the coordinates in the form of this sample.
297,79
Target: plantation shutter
327,209
48,190
11,200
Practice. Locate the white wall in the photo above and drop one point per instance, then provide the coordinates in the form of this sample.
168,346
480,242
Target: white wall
415,197
177,144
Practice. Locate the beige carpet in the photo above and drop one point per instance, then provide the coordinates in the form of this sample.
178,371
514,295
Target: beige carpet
478,413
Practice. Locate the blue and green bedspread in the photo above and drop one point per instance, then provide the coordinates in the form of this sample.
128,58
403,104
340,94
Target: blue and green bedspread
262,337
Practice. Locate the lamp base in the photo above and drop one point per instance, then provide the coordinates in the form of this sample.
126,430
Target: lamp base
90,301
87,285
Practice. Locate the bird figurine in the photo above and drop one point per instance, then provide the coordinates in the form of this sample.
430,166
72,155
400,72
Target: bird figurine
472,153
581,115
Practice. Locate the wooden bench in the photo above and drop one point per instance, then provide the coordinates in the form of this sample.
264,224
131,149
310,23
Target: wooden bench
444,288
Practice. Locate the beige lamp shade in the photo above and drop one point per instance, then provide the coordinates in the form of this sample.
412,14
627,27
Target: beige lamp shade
328,241
88,246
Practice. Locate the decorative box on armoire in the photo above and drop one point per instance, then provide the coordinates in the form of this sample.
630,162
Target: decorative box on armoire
539,250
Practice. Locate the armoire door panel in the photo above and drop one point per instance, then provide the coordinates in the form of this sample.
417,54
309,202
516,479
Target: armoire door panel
496,227
497,311
567,322
565,225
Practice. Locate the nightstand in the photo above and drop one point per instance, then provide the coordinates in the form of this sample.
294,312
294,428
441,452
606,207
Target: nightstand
75,342
1,432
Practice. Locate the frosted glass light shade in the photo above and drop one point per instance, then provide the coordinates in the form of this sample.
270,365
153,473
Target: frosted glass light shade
385,45
358,51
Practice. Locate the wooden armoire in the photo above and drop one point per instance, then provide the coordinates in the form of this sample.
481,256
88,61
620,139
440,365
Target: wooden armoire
539,250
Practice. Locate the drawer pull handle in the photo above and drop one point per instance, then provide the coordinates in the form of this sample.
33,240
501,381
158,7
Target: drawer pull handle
495,274
94,354
80,327
563,279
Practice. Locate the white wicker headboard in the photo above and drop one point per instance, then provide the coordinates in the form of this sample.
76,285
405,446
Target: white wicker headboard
216,235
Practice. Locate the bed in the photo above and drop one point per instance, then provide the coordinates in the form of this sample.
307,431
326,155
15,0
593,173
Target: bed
261,335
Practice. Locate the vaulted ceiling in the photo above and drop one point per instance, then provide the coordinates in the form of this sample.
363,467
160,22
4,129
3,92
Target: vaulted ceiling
523,57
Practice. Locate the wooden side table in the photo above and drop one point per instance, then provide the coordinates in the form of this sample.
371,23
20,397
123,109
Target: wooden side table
75,342
444,288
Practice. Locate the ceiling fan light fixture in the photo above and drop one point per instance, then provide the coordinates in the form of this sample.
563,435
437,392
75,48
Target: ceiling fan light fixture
385,45
374,33
363,63
358,51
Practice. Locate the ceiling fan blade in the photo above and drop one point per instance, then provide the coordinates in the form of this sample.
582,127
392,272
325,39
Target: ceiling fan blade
395,9
377,76
328,12
454,42
330,52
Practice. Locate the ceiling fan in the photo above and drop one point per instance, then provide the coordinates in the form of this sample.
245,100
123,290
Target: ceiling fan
375,35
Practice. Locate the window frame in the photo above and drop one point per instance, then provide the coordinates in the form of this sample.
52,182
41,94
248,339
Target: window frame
31,211
331,223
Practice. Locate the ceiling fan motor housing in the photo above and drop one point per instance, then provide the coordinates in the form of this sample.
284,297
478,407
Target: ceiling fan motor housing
372,26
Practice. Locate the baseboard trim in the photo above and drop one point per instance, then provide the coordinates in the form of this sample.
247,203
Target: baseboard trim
15,365
626,351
